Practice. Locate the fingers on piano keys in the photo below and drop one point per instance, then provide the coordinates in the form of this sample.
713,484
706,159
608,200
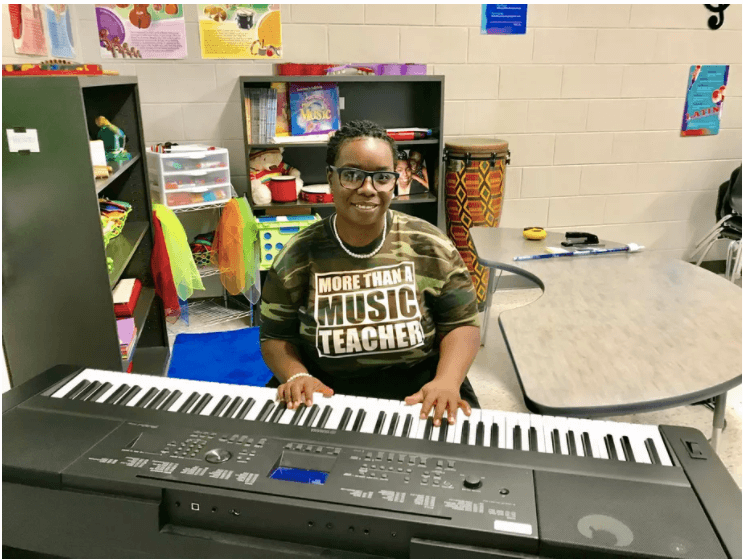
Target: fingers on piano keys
487,428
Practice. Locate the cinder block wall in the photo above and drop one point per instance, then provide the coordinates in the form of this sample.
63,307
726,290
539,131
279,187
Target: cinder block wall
590,100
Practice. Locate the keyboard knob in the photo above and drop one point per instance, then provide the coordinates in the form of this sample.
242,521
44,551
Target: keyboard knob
472,482
217,456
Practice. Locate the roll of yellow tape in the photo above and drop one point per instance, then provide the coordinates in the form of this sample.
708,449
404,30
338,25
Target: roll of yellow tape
534,233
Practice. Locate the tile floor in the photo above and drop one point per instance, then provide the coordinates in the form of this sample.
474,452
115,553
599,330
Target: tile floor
496,385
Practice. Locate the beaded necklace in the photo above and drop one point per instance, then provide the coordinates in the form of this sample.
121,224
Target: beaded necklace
343,246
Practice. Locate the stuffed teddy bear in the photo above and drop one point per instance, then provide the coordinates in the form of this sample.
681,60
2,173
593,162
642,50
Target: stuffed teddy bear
264,165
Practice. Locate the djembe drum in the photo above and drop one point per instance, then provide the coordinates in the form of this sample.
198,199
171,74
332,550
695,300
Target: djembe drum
475,182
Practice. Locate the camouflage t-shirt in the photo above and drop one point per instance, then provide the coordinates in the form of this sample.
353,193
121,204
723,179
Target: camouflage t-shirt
352,316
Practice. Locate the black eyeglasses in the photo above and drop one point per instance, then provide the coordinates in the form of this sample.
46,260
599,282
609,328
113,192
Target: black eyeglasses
352,179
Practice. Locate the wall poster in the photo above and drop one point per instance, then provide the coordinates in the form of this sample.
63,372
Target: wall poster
503,19
144,31
705,93
240,30
27,26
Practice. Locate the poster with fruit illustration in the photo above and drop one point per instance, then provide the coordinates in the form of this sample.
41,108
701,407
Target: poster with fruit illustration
240,30
705,93
141,30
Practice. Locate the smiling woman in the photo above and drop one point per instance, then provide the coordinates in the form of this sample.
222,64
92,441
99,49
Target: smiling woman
370,302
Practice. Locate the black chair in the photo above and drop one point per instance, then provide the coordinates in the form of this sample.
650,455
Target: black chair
728,227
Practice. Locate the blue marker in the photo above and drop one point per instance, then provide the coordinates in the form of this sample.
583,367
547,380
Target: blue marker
631,247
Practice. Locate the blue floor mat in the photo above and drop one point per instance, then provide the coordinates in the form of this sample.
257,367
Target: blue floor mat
232,357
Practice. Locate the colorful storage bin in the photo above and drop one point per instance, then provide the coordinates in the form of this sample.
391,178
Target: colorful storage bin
275,230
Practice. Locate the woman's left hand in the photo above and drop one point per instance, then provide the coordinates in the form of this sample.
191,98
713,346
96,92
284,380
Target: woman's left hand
443,397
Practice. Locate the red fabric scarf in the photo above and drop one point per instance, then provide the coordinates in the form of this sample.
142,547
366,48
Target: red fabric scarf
162,274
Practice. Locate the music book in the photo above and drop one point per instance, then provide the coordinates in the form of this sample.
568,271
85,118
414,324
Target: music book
314,108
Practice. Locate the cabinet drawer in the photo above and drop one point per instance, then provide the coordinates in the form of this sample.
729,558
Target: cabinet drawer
193,161
193,197
184,180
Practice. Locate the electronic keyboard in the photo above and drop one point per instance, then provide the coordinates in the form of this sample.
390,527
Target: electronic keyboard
108,464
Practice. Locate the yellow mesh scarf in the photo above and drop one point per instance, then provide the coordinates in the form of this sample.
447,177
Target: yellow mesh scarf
250,255
185,274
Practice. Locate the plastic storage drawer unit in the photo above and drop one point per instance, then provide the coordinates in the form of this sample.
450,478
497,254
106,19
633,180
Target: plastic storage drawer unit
189,178
274,231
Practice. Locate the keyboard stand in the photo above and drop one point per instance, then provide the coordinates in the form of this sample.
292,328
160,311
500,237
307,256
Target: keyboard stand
718,419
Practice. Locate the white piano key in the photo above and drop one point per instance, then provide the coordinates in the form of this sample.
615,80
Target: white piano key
511,421
561,424
287,416
572,425
660,446
336,413
474,419
524,421
256,409
536,422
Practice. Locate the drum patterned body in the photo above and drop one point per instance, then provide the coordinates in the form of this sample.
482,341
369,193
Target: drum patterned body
475,184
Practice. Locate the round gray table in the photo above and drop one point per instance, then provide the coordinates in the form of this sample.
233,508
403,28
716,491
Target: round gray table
617,333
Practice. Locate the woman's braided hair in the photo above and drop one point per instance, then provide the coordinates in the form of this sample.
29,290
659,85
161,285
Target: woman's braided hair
358,129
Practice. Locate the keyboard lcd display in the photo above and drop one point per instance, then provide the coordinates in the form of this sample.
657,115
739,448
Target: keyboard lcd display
299,475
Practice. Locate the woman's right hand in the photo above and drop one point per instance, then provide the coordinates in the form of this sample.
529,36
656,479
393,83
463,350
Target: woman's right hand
300,391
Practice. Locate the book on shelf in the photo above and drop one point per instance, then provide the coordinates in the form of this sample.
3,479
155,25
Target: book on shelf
314,108
260,114
125,296
282,109
127,331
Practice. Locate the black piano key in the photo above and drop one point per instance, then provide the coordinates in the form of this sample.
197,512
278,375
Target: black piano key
345,418
586,440
265,411
296,418
610,448
517,437
572,448
494,436
443,431
555,434
380,423
627,448
98,392
480,434
118,393
652,451
278,412
131,393
220,406
465,434
311,415
533,444
359,421
249,403
147,398
233,407
189,402
407,425
87,390
393,423
428,429
324,417
168,403
201,404
82,385
164,393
